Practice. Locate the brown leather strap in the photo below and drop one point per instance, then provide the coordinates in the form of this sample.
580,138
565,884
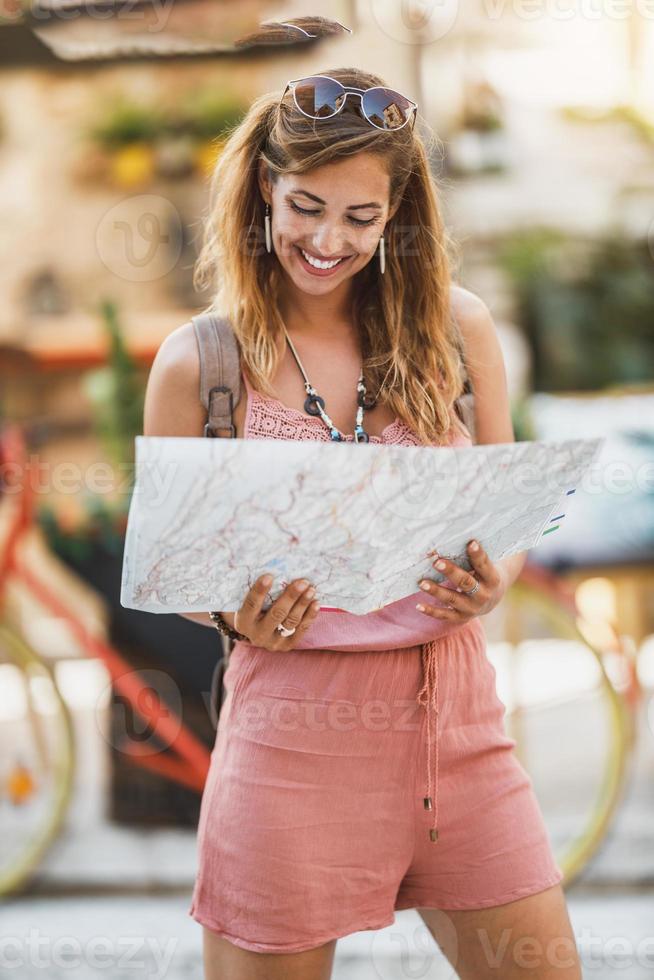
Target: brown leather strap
220,373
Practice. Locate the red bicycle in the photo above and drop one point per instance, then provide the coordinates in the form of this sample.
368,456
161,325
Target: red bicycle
37,758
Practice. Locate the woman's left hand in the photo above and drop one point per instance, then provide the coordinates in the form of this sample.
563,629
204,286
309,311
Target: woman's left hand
459,606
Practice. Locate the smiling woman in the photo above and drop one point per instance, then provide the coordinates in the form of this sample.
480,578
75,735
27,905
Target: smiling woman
339,190
326,253
331,240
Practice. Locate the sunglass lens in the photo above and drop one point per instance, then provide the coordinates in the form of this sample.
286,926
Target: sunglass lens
318,97
385,108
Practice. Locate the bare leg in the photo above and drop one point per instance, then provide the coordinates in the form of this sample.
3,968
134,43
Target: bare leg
225,961
531,937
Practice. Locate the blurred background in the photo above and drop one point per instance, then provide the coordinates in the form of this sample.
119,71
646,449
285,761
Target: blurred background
112,116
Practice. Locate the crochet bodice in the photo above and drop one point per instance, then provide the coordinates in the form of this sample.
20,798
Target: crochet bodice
269,418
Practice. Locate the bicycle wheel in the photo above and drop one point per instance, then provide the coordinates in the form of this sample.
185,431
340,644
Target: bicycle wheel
36,760
573,730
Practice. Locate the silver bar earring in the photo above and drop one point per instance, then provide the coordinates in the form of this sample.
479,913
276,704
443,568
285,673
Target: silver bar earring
268,225
382,254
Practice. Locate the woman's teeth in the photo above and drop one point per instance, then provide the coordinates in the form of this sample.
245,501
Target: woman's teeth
318,263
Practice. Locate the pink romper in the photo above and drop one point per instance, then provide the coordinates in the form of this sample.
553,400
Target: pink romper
366,772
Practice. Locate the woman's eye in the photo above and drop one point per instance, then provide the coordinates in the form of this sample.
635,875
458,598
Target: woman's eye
296,207
355,221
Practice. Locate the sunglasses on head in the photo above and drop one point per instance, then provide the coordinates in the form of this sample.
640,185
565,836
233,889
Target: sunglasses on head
322,97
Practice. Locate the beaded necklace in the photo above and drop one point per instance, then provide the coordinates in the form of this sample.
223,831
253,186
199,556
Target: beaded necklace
315,405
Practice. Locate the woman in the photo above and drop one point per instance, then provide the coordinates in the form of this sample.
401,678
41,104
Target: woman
349,328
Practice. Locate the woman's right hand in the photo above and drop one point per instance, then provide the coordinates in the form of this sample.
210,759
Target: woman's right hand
293,608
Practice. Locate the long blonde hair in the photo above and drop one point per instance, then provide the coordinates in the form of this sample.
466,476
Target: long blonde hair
411,347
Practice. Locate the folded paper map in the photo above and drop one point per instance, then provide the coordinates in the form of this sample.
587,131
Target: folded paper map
209,516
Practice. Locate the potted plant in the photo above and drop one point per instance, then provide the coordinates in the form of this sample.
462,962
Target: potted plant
134,144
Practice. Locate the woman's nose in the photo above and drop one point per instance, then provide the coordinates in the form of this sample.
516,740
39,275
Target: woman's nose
328,241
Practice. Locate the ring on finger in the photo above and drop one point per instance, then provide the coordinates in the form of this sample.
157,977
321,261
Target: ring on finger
471,591
284,630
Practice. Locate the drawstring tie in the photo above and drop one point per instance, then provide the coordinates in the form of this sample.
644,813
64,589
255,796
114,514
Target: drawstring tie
428,696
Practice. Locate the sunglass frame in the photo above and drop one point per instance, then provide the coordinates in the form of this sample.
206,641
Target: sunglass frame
351,90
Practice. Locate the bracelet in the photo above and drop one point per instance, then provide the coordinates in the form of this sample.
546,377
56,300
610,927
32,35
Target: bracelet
223,627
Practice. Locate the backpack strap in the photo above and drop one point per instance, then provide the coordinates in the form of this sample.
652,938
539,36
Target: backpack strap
220,373
220,391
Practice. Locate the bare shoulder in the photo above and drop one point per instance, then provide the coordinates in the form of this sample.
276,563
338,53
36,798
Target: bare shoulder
485,366
172,399
178,357
477,328
470,311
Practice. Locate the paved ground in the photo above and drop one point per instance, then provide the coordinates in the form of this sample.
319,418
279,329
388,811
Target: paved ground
153,937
